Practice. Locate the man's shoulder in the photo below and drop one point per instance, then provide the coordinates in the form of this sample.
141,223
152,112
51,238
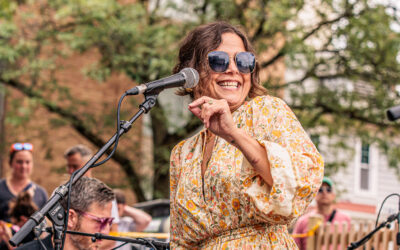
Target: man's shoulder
33,245
340,215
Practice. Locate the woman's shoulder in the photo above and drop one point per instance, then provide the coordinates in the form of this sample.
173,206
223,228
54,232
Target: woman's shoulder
267,100
186,141
39,189
264,104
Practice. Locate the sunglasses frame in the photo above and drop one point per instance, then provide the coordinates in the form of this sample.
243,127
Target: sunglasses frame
326,189
235,60
103,221
20,146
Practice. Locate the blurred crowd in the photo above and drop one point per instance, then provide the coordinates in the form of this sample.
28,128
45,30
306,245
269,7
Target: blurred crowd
94,207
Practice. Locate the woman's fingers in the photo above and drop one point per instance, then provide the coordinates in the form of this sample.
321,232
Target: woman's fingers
200,101
206,109
196,111
199,108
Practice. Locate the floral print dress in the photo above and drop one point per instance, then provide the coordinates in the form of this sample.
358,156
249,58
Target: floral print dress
232,207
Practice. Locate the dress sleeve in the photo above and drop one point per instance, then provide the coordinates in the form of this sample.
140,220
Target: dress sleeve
175,169
296,165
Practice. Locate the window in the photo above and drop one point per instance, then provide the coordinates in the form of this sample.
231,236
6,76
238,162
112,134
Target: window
365,168
315,139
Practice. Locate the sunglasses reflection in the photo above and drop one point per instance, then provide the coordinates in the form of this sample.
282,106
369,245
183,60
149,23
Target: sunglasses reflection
219,61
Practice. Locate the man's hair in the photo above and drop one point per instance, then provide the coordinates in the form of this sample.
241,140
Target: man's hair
120,196
202,40
78,149
87,191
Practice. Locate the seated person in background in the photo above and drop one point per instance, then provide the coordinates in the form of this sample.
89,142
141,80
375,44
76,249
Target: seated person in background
131,219
20,211
76,157
21,164
325,207
90,212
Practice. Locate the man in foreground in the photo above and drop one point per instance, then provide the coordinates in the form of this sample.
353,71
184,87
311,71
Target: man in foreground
90,212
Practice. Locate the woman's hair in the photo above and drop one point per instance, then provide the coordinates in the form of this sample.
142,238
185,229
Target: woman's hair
13,153
193,53
22,206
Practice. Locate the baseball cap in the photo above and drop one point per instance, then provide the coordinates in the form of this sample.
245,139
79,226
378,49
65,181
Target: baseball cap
327,181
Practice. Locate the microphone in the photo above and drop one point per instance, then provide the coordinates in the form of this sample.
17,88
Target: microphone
187,78
393,113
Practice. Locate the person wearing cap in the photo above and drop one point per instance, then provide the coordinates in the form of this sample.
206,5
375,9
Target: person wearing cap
325,200
21,164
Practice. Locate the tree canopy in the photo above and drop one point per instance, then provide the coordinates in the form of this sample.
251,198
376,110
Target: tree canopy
342,61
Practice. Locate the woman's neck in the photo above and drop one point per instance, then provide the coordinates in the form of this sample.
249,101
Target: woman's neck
16,185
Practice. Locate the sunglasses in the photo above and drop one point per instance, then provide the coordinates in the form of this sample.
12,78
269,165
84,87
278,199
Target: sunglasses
21,146
325,189
103,222
219,61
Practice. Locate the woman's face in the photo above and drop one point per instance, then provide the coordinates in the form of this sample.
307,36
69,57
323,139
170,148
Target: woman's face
22,164
230,85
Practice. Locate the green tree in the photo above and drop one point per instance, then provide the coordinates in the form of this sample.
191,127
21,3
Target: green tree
343,60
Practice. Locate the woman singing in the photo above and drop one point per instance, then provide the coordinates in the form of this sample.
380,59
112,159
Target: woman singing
252,170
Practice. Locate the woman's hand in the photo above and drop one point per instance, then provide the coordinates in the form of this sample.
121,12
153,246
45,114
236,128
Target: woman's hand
215,114
217,117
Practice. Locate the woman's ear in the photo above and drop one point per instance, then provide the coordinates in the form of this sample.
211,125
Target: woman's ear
72,219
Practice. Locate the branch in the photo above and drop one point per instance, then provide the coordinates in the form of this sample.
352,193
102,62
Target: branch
78,125
320,25
351,114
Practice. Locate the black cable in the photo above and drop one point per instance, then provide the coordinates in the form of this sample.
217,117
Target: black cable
95,165
118,131
41,243
68,207
383,202
149,242
37,234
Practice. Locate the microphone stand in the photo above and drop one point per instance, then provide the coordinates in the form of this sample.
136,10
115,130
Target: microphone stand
141,241
52,209
398,226
361,242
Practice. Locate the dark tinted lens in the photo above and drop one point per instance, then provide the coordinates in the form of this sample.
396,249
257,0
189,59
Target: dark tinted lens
218,61
327,189
104,222
245,62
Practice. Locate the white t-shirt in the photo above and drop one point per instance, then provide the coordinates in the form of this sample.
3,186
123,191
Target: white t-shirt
114,212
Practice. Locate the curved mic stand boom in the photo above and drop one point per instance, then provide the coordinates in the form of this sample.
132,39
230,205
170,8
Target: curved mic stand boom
361,242
52,209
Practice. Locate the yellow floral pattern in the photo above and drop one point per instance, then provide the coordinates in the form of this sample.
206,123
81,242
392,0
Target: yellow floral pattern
232,207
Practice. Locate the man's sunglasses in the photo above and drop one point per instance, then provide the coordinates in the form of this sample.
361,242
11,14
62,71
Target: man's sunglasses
103,222
219,61
325,189
21,146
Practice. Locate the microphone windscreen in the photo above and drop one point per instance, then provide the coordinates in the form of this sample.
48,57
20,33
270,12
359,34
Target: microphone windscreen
393,113
191,76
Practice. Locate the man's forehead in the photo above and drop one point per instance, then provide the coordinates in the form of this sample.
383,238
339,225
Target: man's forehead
95,206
